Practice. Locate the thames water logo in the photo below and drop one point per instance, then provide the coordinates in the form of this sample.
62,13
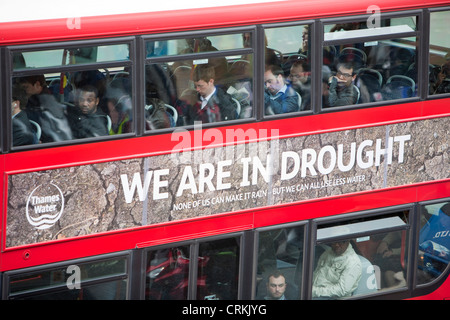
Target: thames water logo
45,206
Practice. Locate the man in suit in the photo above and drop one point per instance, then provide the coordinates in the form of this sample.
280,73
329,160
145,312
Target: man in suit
213,104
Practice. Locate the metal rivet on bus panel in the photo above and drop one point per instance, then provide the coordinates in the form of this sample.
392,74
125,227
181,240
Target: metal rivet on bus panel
26,255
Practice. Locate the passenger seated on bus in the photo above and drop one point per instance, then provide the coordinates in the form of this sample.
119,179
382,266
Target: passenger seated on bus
43,108
442,84
240,86
400,60
300,80
158,84
276,286
212,103
337,273
279,97
305,48
342,91
434,242
203,44
156,115
93,78
119,108
86,119
369,82
23,133
388,259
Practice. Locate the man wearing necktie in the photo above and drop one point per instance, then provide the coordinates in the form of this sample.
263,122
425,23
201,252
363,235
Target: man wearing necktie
213,103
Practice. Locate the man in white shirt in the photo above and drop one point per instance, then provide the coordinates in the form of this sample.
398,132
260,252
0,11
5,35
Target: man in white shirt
337,273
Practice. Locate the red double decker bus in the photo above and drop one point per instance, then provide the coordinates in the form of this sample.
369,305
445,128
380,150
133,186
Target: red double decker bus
250,150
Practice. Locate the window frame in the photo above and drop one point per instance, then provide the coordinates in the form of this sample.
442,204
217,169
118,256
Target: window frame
127,275
10,73
306,248
373,214
194,246
421,34
312,24
428,13
201,55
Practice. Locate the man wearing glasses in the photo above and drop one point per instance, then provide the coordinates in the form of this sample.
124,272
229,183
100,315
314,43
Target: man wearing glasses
342,92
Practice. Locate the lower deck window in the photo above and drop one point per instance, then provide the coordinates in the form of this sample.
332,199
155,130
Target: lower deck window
98,280
360,257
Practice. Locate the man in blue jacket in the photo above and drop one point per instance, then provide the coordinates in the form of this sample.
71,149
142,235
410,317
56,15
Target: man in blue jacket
278,96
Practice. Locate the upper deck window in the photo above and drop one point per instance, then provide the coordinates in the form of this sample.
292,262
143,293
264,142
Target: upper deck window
205,79
70,56
70,93
439,67
287,76
352,30
159,48
363,64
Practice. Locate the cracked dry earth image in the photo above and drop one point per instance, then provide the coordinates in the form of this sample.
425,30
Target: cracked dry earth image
90,199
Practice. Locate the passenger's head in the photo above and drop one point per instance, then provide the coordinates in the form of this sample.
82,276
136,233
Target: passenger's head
299,73
276,285
33,84
204,76
88,99
346,72
118,101
273,78
339,247
18,99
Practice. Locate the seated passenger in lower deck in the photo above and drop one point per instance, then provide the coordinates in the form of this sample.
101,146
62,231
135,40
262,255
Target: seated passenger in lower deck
276,286
337,273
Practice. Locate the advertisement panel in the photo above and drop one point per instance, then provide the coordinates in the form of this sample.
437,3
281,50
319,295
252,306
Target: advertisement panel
88,199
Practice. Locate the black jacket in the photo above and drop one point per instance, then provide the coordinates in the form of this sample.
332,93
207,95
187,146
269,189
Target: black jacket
87,125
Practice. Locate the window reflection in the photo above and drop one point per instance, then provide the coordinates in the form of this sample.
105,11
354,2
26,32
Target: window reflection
218,270
54,283
434,241
61,57
167,274
190,45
